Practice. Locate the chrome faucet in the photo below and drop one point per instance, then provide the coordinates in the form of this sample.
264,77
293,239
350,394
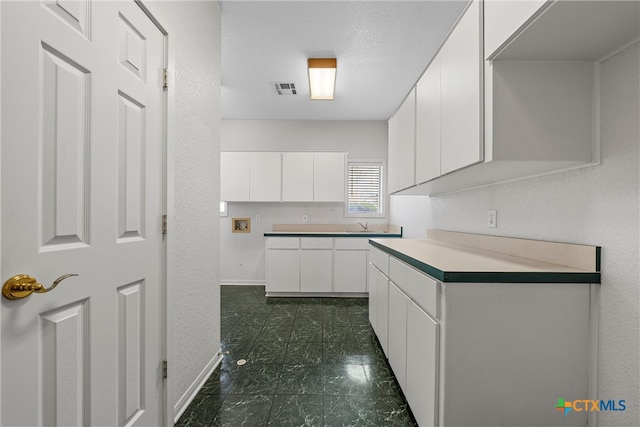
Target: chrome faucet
365,227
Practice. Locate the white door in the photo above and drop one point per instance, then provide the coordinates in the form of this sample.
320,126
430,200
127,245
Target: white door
82,192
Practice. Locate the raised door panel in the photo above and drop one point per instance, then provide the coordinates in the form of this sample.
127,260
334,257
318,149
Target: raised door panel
398,334
428,123
64,343
297,177
422,365
350,271
265,178
131,335
234,176
329,177
316,270
131,185
461,93
282,270
502,19
64,172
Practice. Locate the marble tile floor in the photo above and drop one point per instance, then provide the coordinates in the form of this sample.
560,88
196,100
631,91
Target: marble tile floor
309,362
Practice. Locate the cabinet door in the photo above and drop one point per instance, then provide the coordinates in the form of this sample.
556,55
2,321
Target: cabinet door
502,19
402,145
234,176
381,285
297,177
350,271
428,123
265,177
328,177
315,270
373,297
282,270
422,365
398,334
461,83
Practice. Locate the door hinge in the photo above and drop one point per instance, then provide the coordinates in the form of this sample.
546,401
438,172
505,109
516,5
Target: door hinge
165,78
164,369
164,225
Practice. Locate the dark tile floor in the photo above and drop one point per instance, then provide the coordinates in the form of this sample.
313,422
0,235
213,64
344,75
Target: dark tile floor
309,362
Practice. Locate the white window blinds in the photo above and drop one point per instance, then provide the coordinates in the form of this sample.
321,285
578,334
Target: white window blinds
365,188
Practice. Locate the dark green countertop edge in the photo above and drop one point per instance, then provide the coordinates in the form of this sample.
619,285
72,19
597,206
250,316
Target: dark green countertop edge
347,235
494,277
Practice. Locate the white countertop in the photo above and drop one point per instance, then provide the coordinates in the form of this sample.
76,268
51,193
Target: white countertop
492,259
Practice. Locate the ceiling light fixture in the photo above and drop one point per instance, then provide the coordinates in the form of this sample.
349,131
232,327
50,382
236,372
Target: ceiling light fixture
322,77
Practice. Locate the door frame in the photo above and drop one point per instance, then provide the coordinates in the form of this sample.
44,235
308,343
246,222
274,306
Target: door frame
168,172
168,124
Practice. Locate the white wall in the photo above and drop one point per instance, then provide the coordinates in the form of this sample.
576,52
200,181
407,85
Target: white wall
596,206
362,139
194,236
242,255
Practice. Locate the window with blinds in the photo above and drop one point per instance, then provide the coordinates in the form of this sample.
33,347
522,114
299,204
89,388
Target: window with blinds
365,193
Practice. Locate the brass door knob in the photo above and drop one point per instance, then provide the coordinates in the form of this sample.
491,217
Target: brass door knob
23,285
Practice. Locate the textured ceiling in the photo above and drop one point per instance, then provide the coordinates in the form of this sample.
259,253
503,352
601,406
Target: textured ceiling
382,47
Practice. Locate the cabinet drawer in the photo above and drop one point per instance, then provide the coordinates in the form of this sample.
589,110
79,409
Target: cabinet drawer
418,286
352,243
283,243
379,259
316,243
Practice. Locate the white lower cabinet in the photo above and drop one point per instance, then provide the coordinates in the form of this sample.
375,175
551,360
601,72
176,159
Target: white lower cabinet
283,270
458,350
316,265
422,365
350,271
379,306
398,334
350,265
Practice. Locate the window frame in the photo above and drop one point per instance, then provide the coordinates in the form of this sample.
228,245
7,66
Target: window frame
383,196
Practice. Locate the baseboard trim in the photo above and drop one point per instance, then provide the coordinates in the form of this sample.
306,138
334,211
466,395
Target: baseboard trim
242,283
318,294
194,388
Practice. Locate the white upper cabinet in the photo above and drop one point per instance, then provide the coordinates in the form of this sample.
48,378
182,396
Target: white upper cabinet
428,123
289,177
402,145
265,177
234,176
297,177
329,177
502,19
461,93
518,94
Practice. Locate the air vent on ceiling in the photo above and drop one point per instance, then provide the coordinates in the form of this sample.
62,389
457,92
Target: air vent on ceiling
285,88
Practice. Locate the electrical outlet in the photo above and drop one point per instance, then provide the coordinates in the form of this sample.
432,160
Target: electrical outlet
305,218
257,218
492,218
